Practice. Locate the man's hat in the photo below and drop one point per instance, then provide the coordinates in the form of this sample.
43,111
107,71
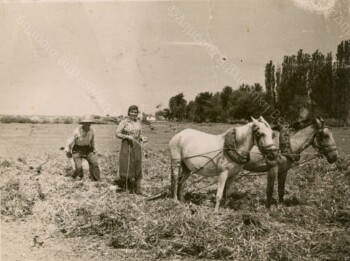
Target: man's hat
87,119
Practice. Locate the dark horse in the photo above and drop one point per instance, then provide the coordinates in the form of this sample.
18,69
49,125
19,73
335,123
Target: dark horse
311,133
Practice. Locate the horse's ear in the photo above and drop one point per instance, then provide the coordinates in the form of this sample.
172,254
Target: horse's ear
261,118
254,120
319,123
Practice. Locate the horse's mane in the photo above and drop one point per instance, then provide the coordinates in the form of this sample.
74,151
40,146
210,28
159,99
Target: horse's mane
230,129
297,125
227,131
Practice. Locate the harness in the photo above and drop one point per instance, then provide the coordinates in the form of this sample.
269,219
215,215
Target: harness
322,149
230,149
286,150
285,146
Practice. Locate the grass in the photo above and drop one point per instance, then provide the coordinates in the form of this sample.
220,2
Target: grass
314,224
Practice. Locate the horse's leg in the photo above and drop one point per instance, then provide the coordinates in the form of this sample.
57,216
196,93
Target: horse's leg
282,175
221,185
271,176
228,189
185,173
175,173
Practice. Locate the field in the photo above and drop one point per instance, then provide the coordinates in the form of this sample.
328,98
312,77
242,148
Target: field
48,216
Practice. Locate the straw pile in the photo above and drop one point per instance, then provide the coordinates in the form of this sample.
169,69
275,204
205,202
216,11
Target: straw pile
314,225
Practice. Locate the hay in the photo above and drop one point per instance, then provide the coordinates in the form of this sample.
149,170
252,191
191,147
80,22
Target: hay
315,226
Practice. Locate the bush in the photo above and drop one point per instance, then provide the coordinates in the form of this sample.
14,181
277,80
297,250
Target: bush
335,123
15,119
238,121
8,119
68,120
146,122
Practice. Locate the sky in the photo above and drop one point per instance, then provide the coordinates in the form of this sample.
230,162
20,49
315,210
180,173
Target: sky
99,57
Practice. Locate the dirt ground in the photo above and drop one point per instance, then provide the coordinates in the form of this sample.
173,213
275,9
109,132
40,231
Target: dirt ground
17,244
29,239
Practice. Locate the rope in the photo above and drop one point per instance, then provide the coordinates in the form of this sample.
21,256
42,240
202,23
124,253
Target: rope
197,170
198,155
164,193
221,150
246,175
312,158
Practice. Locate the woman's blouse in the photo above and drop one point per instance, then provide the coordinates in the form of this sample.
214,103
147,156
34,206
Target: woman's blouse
129,127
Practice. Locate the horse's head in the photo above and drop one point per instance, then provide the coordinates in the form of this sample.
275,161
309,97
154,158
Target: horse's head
263,138
323,141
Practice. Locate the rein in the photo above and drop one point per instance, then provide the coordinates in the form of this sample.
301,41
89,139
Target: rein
264,149
248,175
320,149
305,161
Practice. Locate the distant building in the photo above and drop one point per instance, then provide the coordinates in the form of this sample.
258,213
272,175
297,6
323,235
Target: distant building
151,118
36,119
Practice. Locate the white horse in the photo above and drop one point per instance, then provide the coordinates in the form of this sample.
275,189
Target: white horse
194,151
313,133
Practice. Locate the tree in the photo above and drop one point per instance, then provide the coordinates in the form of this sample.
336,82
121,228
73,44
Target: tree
191,110
216,113
320,84
293,81
166,113
270,83
177,106
342,82
160,114
203,106
278,83
226,97
315,82
249,103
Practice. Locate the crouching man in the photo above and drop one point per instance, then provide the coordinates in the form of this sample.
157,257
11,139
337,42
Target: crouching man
81,145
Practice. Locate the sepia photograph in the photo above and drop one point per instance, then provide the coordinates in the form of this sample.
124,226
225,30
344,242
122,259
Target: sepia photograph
175,130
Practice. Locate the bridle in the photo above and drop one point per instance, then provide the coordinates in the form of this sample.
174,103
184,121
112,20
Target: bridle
322,149
264,149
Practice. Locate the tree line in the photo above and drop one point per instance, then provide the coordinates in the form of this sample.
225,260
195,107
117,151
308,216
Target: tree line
311,82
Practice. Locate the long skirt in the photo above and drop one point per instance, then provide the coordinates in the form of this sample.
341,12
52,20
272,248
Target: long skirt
130,163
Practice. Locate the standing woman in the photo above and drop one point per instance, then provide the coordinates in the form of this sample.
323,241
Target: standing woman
130,157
